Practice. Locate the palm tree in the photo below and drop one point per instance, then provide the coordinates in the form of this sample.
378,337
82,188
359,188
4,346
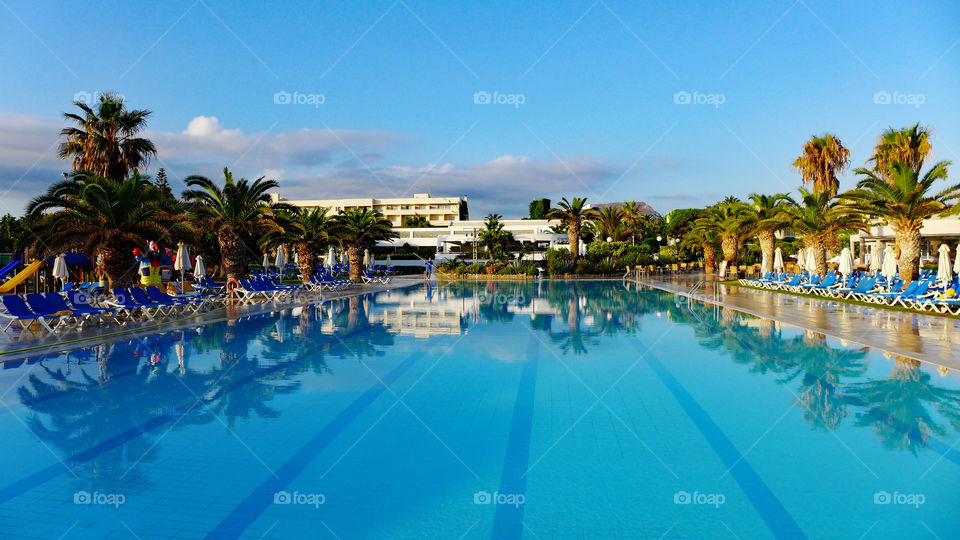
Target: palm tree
703,237
769,216
101,216
493,237
729,220
104,140
239,211
820,161
819,218
359,229
611,222
310,235
634,220
903,198
909,145
573,215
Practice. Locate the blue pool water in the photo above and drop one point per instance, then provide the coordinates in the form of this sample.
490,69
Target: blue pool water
540,410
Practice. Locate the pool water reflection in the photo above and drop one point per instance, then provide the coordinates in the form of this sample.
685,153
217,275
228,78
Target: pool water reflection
486,410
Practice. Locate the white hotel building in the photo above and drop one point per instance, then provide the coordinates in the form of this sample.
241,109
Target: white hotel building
451,233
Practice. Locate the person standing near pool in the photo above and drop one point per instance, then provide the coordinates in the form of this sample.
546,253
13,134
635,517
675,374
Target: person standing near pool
428,268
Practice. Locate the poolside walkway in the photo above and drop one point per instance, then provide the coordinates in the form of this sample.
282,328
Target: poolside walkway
15,345
928,338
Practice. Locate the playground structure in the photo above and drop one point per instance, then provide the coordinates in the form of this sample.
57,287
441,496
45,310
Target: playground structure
11,284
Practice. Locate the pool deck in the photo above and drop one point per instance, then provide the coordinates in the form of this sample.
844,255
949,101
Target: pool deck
928,338
16,344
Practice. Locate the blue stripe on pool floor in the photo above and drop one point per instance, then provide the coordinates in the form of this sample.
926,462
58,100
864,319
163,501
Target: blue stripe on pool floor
508,520
778,520
245,513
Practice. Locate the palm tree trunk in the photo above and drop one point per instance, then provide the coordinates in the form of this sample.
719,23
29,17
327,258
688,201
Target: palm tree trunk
709,259
729,245
355,254
819,253
909,240
233,254
308,262
768,243
119,266
573,234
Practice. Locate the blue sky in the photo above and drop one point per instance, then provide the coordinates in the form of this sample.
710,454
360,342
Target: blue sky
598,82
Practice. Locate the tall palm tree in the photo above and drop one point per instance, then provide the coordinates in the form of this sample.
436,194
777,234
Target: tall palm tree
703,237
634,220
819,218
240,211
359,229
101,216
819,162
769,216
910,145
310,235
730,220
493,237
611,222
105,139
573,214
903,198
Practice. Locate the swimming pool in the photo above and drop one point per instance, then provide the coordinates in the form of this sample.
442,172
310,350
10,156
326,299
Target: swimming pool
504,410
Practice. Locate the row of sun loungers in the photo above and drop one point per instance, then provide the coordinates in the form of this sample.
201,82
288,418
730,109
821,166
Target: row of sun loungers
924,293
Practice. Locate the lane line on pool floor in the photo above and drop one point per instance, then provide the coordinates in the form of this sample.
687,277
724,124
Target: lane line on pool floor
764,501
252,507
508,519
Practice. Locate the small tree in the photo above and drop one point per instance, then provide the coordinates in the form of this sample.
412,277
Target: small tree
539,208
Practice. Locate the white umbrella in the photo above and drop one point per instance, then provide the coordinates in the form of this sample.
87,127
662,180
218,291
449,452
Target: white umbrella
811,263
778,260
801,263
366,258
846,262
889,268
182,263
331,257
198,270
266,260
344,258
876,257
60,270
956,263
281,257
389,261
764,264
296,258
943,264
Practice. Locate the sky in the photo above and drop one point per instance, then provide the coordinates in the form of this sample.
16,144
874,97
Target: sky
677,104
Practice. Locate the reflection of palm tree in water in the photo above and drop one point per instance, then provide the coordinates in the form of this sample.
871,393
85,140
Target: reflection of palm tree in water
895,406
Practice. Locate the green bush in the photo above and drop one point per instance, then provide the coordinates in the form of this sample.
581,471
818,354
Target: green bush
558,261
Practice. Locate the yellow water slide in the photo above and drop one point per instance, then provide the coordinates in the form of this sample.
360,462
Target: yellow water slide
20,277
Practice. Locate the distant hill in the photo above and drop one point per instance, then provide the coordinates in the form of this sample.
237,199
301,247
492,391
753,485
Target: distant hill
646,208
